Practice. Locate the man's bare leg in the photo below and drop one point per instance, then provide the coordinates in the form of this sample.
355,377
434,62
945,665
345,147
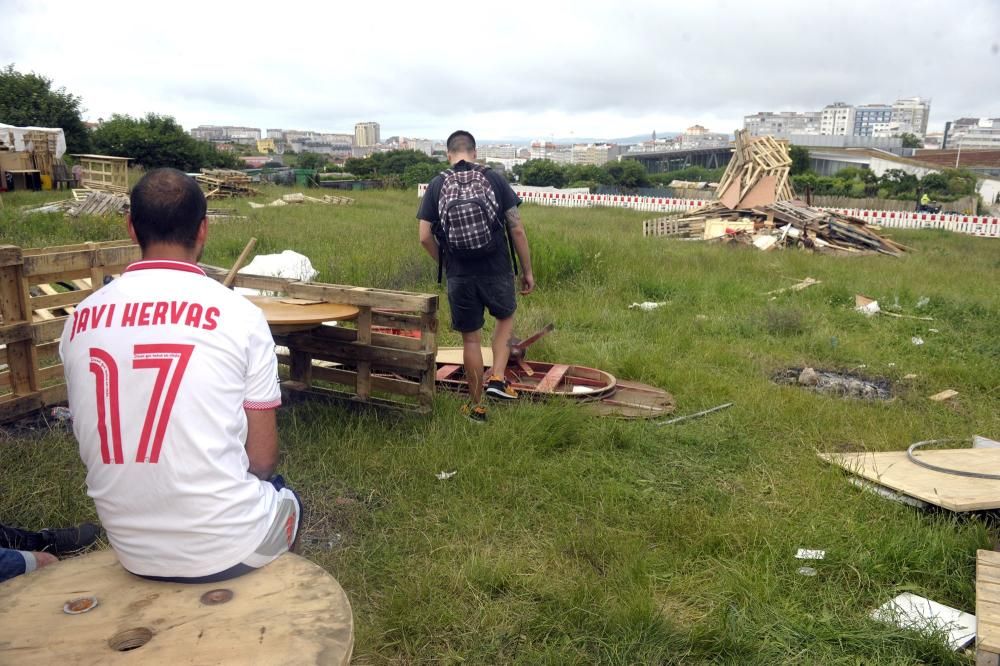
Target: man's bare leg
472,355
501,346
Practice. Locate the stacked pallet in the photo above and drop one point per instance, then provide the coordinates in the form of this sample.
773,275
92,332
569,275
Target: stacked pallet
299,198
757,173
99,203
86,202
221,183
835,231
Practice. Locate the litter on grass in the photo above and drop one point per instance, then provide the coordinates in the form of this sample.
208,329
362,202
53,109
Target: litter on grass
798,286
917,340
866,306
911,611
289,265
947,394
807,571
810,554
444,476
841,384
646,306
299,198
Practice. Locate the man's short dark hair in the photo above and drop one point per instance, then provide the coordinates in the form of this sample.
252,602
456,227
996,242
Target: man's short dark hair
167,206
461,142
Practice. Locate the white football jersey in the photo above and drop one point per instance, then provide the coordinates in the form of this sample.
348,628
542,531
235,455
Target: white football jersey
160,364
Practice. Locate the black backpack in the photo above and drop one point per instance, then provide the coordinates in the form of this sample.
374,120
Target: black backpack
470,220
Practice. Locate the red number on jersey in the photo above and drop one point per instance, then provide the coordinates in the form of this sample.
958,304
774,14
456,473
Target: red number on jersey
170,363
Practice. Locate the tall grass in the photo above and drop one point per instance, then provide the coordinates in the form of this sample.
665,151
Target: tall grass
569,539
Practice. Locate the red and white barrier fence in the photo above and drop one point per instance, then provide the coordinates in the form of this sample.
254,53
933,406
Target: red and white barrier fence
976,225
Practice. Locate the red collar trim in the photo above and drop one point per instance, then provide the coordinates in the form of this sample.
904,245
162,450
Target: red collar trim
165,264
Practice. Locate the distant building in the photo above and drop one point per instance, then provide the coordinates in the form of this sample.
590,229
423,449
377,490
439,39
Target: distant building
247,136
784,122
542,150
911,115
594,154
266,146
972,133
425,146
837,119
505,151
869,116
697,136
366,134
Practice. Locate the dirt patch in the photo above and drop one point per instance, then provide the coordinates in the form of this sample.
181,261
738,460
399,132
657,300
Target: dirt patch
840,384
330,522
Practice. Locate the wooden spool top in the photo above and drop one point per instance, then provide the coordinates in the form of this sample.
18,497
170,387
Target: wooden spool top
295,314
289,612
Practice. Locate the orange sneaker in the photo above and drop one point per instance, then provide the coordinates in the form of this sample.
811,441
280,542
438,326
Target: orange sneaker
499,388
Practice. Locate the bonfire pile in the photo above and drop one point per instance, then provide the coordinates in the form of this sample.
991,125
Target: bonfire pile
221,183
755,206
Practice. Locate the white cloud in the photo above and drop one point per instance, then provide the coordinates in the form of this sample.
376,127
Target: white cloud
526,69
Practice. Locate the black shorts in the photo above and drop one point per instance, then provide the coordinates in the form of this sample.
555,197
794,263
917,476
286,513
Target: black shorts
467,297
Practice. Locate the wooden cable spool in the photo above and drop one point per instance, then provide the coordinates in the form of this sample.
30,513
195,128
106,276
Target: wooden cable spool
288,612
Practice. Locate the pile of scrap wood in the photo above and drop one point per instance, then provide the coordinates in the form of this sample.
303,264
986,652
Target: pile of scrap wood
755,207
298,198
221,183
757,173
87,202
780,224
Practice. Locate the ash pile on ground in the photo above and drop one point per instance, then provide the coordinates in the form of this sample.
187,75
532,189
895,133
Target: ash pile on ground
841,384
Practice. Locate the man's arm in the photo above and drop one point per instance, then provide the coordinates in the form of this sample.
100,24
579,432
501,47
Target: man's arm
262,442
520,239
427,239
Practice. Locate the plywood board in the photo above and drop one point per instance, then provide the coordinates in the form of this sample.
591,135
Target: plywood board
987,602
632,400
454,356
280,311
291,611
894,470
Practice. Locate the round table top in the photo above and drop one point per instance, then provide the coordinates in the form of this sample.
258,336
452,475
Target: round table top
288,612
284,311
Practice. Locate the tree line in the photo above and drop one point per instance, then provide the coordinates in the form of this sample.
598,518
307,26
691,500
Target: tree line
861,182
152,141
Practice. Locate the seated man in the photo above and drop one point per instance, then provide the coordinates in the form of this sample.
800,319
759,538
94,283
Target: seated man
173,385
23,551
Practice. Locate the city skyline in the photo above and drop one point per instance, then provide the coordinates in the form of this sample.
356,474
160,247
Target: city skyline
542,70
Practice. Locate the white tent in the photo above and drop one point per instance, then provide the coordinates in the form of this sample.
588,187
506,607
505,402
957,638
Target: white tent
15,136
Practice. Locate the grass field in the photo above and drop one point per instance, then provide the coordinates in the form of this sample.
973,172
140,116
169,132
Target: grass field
565,539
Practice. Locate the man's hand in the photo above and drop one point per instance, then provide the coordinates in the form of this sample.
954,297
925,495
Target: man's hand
527,284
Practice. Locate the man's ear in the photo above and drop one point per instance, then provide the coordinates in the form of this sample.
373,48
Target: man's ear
202,232
131,229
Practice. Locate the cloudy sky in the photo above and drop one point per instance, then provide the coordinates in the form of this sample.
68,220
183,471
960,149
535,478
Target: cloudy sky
506,69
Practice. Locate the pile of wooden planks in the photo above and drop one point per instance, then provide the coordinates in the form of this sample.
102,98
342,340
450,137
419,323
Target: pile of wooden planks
757,173
298,198
222,183
780,224
87,202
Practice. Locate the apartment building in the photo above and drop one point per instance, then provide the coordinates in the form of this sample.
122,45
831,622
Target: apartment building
783,122
837,119
366,134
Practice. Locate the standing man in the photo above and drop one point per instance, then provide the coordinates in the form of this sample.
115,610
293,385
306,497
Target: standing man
468,220
173,385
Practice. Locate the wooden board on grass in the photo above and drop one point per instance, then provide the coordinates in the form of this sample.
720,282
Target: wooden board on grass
454,356
895,470
633,400
987,607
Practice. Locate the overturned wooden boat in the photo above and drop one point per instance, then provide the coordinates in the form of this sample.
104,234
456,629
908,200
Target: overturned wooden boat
537,379
603,394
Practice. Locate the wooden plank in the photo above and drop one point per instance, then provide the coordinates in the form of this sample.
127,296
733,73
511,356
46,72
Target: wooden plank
10,255
15,332
987,606
355,352
552,378
446,371
46,331
59,299
13,407
378,382
957,493
377,298
294,389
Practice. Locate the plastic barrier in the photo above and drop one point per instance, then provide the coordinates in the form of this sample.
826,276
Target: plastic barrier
975,225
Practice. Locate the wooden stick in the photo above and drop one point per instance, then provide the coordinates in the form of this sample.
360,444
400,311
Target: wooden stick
694,416
240,260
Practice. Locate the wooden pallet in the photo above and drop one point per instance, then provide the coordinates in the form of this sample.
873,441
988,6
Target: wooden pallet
757,173
357,359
